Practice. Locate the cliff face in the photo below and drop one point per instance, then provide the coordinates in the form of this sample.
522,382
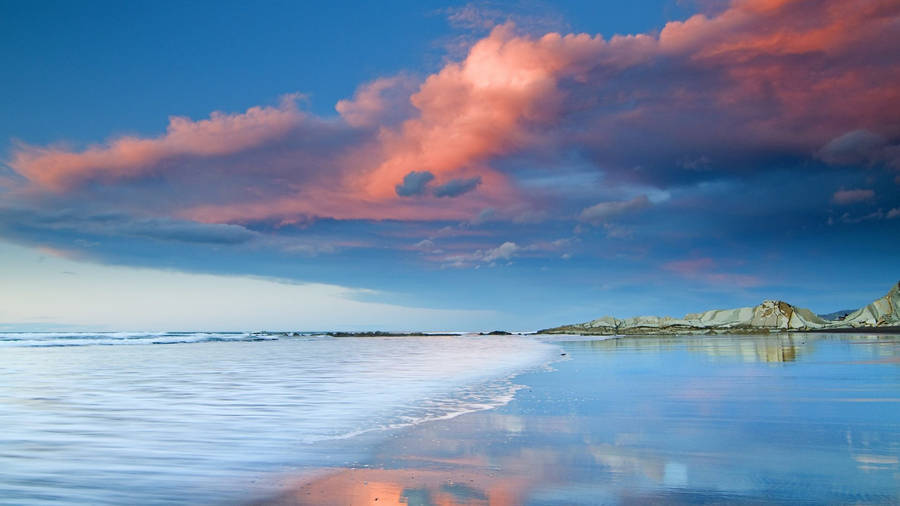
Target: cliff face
883,312
770,316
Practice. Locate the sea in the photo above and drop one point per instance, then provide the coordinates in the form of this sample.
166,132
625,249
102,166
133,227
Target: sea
232,418
207,417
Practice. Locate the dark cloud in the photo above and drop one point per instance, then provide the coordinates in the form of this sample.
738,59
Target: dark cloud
188,231
861,148
32,223
457,187
414,183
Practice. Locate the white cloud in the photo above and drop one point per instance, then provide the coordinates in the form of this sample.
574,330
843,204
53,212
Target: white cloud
602,212
503,252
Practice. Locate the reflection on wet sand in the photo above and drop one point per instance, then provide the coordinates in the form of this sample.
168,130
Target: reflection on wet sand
480,459
659,420
408,486
450,464
762,348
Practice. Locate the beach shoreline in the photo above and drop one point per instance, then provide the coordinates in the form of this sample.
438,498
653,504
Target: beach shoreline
556,444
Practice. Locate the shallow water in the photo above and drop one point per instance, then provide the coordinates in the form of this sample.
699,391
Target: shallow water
678,420
199,417
811,418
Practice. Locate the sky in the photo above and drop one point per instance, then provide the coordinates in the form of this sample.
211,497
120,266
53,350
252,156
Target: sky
413,165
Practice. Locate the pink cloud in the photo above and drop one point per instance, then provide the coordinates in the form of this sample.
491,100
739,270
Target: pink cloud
482,107
690,267
761,78
125,157
704,269
786,75
59,252
378,102
333,204
845,197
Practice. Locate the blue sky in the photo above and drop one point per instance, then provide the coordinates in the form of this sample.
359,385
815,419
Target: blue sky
115,67
443,165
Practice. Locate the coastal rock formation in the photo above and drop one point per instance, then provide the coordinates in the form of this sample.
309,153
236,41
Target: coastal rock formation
883,312
770,316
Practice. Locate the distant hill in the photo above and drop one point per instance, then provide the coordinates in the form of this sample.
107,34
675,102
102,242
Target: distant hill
769,316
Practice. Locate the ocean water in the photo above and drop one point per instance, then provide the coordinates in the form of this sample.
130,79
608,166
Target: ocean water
764,419
155,418
759,419
224,418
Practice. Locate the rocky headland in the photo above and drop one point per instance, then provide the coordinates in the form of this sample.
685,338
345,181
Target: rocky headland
770,316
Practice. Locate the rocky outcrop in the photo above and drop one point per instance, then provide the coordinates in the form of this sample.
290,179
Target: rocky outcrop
884,312
770,316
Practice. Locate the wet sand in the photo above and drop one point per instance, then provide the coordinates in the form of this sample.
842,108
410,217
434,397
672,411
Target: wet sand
736,419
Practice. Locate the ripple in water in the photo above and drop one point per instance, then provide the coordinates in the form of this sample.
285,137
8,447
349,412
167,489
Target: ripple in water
132,422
